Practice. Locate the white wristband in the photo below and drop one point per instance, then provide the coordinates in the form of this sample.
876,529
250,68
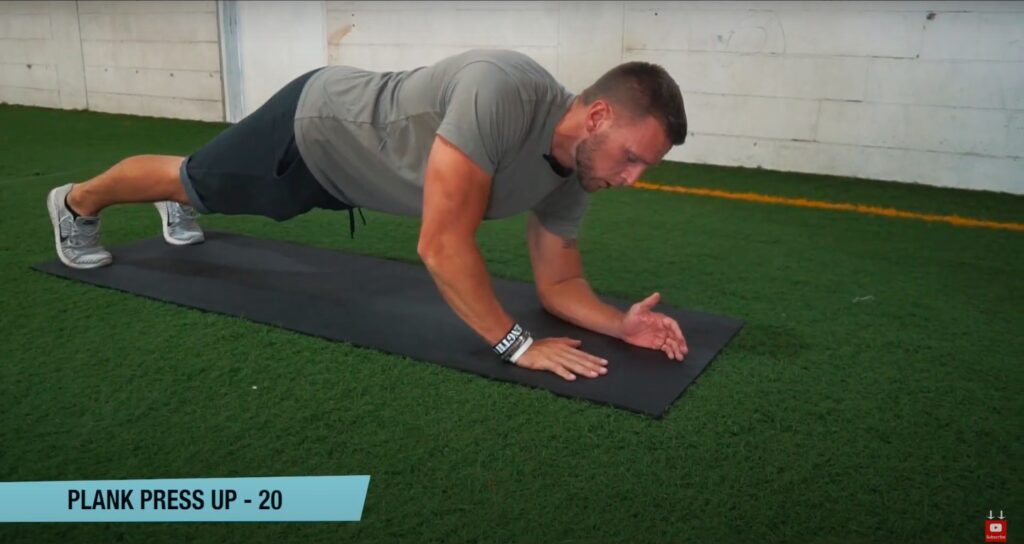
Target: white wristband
522,349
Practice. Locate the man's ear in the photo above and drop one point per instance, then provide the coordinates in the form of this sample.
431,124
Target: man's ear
599,113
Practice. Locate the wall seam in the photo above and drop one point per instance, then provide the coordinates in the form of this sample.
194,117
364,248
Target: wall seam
622,42
220,62
81,53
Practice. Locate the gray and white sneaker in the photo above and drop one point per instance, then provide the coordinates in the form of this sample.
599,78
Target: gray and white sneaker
179,223
77,239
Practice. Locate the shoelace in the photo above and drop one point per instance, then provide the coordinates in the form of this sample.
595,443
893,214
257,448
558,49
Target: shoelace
180,213
84,234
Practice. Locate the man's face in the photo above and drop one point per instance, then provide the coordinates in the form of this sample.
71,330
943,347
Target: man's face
618,154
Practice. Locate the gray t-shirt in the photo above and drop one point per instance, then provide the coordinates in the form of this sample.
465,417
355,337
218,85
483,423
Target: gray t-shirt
366,135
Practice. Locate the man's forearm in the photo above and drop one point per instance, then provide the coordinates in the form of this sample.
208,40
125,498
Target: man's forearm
459,271
573,301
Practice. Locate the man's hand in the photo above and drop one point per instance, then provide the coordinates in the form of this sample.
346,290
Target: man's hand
647,329
559,355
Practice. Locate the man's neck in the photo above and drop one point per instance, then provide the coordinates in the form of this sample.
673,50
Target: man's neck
565,139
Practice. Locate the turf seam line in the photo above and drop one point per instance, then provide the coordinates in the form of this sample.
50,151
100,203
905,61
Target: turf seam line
954,220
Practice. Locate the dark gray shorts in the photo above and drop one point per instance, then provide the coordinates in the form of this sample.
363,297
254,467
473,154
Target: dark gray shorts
254,167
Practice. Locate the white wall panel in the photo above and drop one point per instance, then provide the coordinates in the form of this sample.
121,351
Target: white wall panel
21,7
149,27
734,31
978,84
397,57
858,34
66,49
165,55
25,26
786,118
1015,135
589,43
456,27
941,169
151,82
26,51
677,26
975,36
841,8
46,98
34,76
40,54
148,6
905,126
157,106
762,75
419,6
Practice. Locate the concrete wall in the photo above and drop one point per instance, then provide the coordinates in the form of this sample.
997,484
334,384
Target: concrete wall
145,58
929,92
41,55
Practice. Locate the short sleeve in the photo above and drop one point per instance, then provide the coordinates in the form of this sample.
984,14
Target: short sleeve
561,212
485,115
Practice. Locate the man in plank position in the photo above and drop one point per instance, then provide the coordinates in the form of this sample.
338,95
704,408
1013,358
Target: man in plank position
479,135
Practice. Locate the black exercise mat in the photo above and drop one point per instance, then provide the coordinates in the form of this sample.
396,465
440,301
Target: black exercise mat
394,307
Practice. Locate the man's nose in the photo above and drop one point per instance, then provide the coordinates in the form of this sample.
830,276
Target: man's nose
632,175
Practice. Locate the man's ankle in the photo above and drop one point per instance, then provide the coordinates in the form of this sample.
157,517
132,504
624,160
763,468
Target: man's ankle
74,206
74,214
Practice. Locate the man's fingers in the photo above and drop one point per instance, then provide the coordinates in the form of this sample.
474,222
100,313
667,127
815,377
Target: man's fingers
674,349
561,356
583,370
682,339
677,346
581,363
557,369
582,366
592,358
568,370
671,350
575,352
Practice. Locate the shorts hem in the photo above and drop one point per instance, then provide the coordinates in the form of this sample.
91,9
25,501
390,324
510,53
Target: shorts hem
190,190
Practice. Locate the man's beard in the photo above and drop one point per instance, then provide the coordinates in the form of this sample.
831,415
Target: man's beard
586,152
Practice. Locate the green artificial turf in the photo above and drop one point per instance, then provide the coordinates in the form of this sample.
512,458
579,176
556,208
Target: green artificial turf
870,397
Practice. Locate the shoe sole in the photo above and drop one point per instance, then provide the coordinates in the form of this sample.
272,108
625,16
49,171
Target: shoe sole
51,208
161,208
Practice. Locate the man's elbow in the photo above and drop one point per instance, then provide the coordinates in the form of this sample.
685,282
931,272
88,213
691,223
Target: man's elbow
425,250
546,299
435,249
430,253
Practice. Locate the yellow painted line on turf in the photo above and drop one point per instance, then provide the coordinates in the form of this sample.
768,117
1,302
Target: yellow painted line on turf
954,220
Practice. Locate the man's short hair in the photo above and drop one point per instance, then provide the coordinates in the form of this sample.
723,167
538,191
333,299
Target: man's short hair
644,89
